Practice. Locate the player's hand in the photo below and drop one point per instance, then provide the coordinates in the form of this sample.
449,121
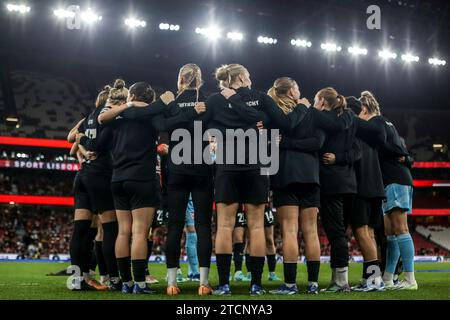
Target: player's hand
278,141
139,104
163,149
401,159
78,137
260,125
227,92
200,107
167,97
305,102
91,155
329,158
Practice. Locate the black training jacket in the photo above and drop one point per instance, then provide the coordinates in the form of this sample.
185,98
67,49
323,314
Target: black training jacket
392,170
98,138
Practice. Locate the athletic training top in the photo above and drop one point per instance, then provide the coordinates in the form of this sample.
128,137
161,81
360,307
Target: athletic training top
371,134
98,139
134,147
185,102
299,160
392,170
340,177
242,111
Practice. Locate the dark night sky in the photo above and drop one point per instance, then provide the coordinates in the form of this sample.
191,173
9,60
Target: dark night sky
106,51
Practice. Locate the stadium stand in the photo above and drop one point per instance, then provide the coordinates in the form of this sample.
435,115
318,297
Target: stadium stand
35,231
34,183
439,235
47,106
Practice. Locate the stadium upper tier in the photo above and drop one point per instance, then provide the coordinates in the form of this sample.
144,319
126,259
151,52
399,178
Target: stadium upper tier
47,106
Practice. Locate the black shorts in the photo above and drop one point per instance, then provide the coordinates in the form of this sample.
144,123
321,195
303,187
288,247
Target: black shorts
241,220
93,193
366,211
241,187
131,195
269,218
304,195
161,217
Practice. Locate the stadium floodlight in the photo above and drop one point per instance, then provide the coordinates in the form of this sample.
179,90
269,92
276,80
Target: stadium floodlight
407,57
89,16
356,51
301,43
437,62
211,32
63,14
12,119
235,36
267,40
330,47
167,26
20,8
386,54
134,23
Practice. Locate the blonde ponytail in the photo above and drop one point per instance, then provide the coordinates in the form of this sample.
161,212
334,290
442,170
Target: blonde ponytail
279,93
369,101
228,73
191,76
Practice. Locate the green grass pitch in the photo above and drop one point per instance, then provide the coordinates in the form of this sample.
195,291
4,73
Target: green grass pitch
28,281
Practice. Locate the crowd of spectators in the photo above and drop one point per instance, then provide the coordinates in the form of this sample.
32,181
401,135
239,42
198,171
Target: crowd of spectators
35,231
38,231
34,183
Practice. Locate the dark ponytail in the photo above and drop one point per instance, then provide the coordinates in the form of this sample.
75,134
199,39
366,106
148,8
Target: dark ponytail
142,91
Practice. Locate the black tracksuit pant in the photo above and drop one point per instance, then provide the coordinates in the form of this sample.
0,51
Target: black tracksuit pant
333,211
179,187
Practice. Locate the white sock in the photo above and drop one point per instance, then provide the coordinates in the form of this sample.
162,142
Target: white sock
172,277
388,277
409,276
129,283
310,283
86,275
115,280
342,276
141,284
290,285
204,275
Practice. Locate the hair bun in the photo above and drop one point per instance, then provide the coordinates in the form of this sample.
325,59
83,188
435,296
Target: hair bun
119,84
222,73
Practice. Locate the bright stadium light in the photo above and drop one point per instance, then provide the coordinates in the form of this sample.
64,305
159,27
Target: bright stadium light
437,62
20,8
235,36
89,16
386,54
211,32
267,40
301,43
63,14
167,26
407,57
134,23
330,47
357,51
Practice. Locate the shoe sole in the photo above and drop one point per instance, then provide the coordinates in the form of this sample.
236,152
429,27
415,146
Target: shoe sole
283,294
